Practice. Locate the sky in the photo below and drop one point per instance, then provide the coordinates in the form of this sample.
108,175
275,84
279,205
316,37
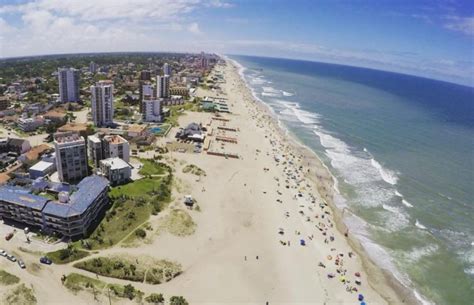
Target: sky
431,38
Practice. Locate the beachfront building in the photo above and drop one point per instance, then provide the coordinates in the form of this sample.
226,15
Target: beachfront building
193,132
72,215
68,80
102,100
162,86
101,146
71,157
30,124
116,170
151,109
166,69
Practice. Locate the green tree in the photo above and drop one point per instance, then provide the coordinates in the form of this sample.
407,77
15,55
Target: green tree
155,298
129,291
175,300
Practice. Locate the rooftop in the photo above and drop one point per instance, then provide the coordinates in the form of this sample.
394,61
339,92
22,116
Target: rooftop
21,196
87,191
115,163
115,139
73,127
41,166
67,137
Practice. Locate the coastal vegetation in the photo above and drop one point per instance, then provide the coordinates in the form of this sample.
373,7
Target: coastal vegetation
78,282
8,278
178,222
151,167
67,255
194,169
132,205
146,269
178,300
155,298
20,295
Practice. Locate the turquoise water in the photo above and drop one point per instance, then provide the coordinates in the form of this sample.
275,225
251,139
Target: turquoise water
402,150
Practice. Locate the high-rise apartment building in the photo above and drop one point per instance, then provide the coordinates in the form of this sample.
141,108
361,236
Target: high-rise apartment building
68,80
102,100
151,109
93,67
71,157
101,146
162,86
145,75
166,69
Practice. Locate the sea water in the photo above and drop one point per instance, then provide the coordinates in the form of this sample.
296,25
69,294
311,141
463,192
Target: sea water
402,151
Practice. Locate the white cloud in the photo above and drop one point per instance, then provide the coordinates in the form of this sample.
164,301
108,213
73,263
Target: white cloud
464,25
194,28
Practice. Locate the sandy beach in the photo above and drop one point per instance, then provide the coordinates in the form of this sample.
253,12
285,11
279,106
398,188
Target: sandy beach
266,232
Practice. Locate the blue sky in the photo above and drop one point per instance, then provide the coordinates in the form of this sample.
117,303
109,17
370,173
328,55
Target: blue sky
428,38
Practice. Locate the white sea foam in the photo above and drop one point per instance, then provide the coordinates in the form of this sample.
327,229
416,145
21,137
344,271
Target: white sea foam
269,94
386,174
285,93
268,89
303,116
407,204
398,194
416,254
419,225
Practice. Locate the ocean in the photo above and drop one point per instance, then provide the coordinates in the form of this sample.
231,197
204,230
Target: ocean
402,151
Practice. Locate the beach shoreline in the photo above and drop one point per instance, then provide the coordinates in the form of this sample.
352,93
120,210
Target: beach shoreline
380,279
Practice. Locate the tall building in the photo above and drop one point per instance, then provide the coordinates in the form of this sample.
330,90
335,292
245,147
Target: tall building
102,99
166,69
151,109
145,88
162,86
93,67
71,157
101,146
68,79
145,75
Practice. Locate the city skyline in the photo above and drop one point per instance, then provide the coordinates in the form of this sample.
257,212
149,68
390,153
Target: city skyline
433,39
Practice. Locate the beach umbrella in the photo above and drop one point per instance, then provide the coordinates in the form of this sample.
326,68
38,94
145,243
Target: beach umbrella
361,297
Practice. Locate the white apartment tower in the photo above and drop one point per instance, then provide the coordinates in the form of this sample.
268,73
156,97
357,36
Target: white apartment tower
151,109
68,80
162,86
71,156
166,69
102,99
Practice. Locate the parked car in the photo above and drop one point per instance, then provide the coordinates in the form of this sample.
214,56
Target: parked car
3,253
21,264
11,257
45,260
9,236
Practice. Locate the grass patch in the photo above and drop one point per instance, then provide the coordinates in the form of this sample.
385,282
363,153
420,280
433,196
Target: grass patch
178,222
155,271
151,167
193,169
78,282
21,295
132,205
67,255
116,267
8,279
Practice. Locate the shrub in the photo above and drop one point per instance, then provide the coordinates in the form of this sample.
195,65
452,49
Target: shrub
140,233
175,300
155,298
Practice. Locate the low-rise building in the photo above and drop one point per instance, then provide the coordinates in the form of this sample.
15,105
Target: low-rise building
73,215
19,146
116,170
4,102
30,124
41,169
